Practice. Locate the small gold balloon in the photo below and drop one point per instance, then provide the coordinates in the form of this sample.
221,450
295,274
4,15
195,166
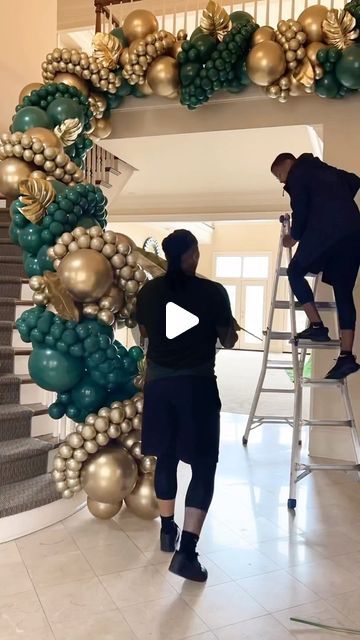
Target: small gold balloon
139,23
90,310
114,431
106,316
126,428
33,86
109,475
91,446
73,80
58,476
117,415
12,172
262,34
311,22
86,274
102,439
137,422
80,455
296,88
59,463
142,502
266,63
75,440
72,464
102,128
65,451
103,510
136,450
312,51
148,464
163,76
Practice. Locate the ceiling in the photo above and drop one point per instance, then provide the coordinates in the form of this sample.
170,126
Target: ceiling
207,176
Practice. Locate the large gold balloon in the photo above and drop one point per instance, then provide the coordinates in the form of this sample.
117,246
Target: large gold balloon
266,63
73,81
311,21
103,510
145,88
109,475
163,76
102,128
47,137
312,51
142,501
28,89
262,34
86,274
12,172
139,24
121,238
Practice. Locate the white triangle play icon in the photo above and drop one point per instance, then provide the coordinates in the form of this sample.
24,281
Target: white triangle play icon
178,320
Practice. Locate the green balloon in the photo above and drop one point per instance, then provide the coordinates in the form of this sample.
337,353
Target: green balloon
53,370
123,91
347,69
30,238
235,86
198,32
59,187
87,222
14,233
136,92
44,261
205,46
88,395
327,86
64,108
30,117
56,410
114,101
136,353
188,73
241,18
241,72
120,35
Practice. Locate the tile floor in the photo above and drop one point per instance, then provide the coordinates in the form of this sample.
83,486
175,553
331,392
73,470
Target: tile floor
86,579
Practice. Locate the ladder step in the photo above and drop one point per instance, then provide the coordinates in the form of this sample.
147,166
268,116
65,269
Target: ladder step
329,467
277,390
308,344
279,335
279,365
322,306
328,423
312,382
283,271
274,419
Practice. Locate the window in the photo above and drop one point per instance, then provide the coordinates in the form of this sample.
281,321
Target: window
228,267
255,267
242,267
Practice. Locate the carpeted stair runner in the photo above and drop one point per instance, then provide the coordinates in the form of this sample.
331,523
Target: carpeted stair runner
24,481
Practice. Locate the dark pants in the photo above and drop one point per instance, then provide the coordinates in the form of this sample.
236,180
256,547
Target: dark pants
340,267
201,487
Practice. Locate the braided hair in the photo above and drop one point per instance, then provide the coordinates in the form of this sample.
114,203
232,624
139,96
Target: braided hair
175,246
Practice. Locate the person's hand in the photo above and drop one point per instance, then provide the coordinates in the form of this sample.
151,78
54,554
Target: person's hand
288,241
236,325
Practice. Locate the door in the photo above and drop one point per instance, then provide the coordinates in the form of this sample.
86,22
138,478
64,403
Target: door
252,314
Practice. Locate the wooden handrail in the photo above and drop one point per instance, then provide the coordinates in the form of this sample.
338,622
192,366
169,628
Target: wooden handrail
101,7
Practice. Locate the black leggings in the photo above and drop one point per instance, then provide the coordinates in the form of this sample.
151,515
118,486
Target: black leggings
343,290
201,487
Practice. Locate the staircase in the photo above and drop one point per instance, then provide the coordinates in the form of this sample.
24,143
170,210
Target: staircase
24,446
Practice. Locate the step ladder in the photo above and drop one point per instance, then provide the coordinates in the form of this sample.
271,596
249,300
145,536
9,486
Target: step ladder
299,351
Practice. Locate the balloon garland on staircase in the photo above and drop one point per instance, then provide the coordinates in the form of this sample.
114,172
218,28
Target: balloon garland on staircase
84,277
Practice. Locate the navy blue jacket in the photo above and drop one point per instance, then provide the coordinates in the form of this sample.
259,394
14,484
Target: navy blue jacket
323,207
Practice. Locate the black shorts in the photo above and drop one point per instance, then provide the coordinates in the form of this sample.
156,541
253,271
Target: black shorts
339,264
182,416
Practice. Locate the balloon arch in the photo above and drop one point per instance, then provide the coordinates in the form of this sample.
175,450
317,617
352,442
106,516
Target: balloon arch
85,278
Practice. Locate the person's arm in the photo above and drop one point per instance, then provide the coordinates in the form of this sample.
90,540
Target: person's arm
226,325
143,332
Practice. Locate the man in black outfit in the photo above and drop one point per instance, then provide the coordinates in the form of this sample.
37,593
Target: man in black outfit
181,419
326,224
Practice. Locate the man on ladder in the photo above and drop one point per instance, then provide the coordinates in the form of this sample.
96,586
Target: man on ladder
326,224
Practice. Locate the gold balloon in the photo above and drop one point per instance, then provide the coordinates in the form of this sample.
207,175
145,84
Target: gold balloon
102,128
109,475
128,439
125,57
311,21
121,238
312,51
142,501
296,88
28,89
86,274
148,464
262,34
12,172
176,48
266,63
139,24
73,80
47,137
163,76
145,88
103,510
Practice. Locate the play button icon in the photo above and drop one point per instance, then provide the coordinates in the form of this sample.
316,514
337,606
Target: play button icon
178,320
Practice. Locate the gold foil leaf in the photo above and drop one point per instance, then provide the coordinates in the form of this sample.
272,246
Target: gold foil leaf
339,29
35,195
60,298
215,20
107,50
68,131
305,73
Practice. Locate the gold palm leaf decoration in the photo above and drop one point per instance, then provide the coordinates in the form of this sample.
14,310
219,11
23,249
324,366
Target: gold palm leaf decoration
60,299
305,74
215,20
107,50
68,131
339,29
36,195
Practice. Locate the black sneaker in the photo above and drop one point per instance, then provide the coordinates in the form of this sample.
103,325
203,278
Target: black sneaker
315,334
345,365
169,541
188,568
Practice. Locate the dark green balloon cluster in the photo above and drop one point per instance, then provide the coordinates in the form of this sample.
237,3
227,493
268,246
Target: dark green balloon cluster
207,66
341,72
80,206
353,7
80,361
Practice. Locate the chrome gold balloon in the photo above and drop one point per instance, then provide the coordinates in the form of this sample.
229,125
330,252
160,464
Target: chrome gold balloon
139,23
109,475
86,274
12,172
142,501
311,21
103,510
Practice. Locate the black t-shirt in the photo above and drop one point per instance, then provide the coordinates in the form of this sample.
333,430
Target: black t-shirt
205,299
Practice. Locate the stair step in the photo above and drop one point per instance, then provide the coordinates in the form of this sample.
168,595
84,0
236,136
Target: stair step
8,248
112,170
37,408
103,183
11,259
27,494
22,458
12,266
15,422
